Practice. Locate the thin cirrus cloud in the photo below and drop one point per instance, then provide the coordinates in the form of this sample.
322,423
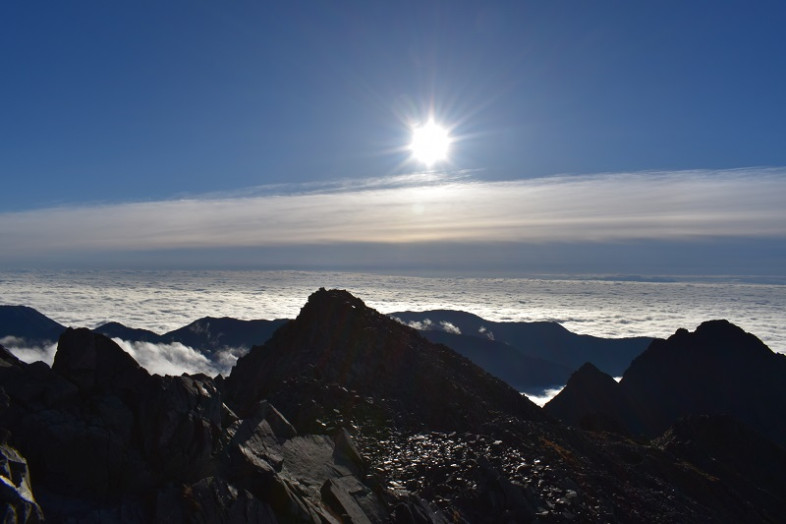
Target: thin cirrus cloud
601,208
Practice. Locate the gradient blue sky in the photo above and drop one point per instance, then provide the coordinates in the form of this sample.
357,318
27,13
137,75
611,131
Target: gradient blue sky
605,136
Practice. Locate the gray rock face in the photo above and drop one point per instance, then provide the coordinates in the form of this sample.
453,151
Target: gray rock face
110,443
17,503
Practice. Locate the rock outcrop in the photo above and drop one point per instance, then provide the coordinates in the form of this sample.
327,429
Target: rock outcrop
108,442
336,339
17,503
591,400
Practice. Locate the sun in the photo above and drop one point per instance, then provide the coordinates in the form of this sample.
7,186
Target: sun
430,143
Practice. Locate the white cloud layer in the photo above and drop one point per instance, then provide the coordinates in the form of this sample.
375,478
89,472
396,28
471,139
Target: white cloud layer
175,359
543,399
29,353
164,300
429,325
161,359
603,207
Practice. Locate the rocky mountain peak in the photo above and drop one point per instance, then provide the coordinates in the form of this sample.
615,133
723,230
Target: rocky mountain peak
338,340
589,372
93,361
718,369
711,339
591,399
333,298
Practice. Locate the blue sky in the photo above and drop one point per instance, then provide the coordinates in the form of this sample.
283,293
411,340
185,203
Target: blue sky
588,136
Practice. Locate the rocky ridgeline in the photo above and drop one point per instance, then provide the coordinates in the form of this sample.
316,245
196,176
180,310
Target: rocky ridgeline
343,416
717,369
337,340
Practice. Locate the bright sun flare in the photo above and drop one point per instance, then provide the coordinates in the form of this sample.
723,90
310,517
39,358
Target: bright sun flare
430,143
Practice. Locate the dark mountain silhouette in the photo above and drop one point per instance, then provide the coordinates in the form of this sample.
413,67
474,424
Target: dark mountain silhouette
522,372
717,369
211,334
337,339
29,325
543,340
118,330
591,400
528,356
207,334
345,416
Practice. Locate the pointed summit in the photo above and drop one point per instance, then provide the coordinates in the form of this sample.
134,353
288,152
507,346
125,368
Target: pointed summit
93,361
337,340
591,399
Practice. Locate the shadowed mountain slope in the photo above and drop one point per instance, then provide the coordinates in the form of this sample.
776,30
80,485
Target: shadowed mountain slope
717,369
337,339
591,400
118,330
207,334
210,334
522,372
28,324
547,341
753,466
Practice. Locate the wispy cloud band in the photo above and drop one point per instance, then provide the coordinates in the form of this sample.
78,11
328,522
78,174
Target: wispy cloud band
604,207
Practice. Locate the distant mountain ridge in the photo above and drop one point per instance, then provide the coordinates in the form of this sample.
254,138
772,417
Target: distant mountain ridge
529,356
543,348
26,323
208,334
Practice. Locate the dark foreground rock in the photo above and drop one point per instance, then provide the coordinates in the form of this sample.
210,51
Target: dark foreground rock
17,503
343,416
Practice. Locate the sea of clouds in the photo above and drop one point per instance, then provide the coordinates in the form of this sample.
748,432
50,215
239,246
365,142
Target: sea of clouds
165,300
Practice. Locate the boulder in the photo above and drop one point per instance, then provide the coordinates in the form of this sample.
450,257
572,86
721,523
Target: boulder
17,502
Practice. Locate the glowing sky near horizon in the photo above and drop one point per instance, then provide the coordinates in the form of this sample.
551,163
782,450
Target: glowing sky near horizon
602,208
